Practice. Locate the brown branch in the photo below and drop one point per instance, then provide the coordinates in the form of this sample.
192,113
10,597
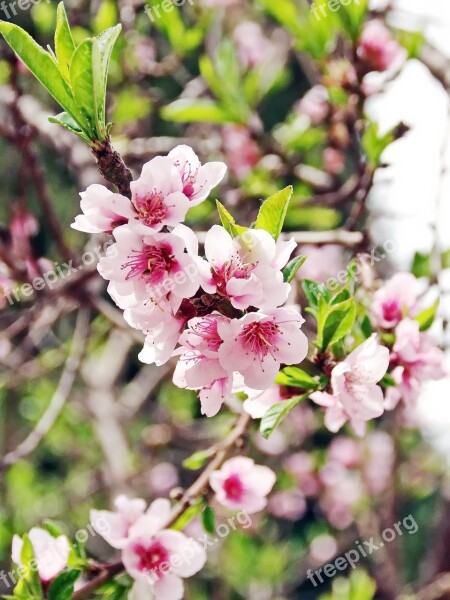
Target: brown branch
111,166
223,450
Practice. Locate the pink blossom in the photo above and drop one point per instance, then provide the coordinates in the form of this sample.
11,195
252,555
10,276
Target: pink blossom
343,491
356,395
258,343
198,180
162,478
418,360
322,262
396,299
115,526
143,264
242,485
301,466
379,463
242,153
314,104
345,451
159,561
288,504
51,553
259,401
199,367
158,194
161,338
102,210
333,161
253,47
377,50
247,268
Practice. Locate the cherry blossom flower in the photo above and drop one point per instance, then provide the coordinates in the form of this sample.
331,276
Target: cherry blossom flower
356,395
51,553
197,180
377,50
160,559
102,210
242,153
143,264
247,268
158,194
259,401
258,343
115,526
252,46
396,299
322,261
161,339
288,504
417,360
242,485
314,104
199,367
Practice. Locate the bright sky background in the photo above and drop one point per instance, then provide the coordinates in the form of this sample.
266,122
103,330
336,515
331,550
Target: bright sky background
410,203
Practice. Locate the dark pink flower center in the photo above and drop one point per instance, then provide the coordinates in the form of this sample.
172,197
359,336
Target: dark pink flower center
235,267
233,488
207,330
151,208
259,338
151,557
392,311
151,263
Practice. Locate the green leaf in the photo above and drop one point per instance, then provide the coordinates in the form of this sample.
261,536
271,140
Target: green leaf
366,327
314,291
427,316
290,270
374,144
187,110
64,44
209,520
228,221
353,16
103,46
82,78
273,212
189,514
65,120
31,578
53,528
43,66
295,377
198,459
421,266
336,324
168,21
276,413
62,587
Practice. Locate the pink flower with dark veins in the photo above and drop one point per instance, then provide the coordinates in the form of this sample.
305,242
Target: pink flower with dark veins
197,180
258,343
144,265
242,485
355,394
396,299
102,210
247,268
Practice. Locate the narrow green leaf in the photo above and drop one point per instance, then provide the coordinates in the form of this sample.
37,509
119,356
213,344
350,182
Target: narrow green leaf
273,212
198,459
290,270
228,221
65,120
338,321
314,291
103,46
43,67
187,110
62,587
427,316
209,520
279,411
64,44
421,266
295,377
82,78
28,560
189,514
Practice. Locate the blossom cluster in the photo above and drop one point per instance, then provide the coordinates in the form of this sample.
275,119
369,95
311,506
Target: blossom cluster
220,314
